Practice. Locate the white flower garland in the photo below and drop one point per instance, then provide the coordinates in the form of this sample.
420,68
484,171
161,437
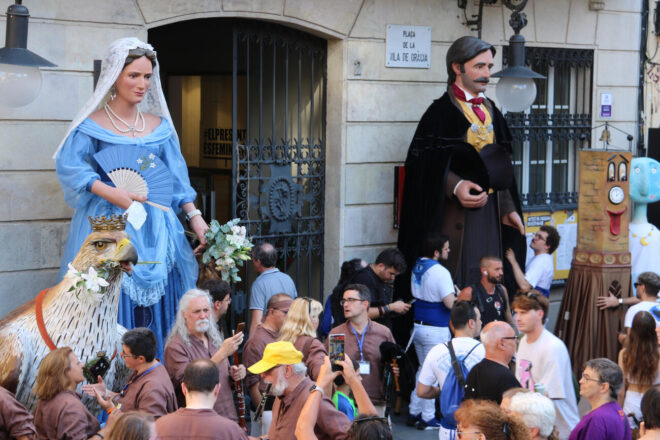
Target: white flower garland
92,282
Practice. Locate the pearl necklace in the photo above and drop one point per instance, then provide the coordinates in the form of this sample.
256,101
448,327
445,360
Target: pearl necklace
132,128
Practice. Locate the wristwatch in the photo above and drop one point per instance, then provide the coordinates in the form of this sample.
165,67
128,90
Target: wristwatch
620,301
317,388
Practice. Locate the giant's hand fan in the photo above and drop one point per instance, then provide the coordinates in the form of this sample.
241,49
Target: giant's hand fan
137,170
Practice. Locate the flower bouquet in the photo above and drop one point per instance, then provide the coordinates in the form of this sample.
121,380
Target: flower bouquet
227,247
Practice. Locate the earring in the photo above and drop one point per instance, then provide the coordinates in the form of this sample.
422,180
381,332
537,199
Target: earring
113,93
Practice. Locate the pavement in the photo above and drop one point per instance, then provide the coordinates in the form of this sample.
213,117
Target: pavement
403,432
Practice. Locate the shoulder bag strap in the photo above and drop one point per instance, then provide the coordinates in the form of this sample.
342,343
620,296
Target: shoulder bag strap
455,365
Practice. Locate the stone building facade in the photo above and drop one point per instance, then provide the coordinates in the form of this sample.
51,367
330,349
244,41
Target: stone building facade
371,110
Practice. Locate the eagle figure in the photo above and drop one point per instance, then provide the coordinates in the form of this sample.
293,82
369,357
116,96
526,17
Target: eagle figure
86,322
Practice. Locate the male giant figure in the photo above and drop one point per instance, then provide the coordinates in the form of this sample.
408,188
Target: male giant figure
459,176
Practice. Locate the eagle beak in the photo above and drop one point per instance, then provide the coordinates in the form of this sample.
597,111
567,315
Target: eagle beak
126,255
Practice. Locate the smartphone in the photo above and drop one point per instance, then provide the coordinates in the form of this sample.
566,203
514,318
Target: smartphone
240,327
336,345
412,301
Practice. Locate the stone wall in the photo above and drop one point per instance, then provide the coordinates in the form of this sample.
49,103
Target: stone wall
370,117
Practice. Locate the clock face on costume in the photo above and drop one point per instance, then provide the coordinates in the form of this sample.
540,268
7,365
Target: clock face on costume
616,195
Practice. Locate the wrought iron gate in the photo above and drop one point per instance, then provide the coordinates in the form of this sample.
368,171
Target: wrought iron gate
278,138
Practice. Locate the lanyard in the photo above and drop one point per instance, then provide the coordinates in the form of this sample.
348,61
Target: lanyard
360,341
123,391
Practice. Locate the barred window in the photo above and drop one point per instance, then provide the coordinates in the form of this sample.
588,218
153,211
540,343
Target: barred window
548,135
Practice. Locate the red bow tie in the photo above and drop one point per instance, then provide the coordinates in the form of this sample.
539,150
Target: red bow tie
476,102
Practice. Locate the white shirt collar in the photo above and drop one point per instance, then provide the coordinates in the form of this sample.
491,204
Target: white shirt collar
469,96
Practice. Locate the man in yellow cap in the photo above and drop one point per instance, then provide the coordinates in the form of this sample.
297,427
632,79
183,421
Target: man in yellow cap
282,366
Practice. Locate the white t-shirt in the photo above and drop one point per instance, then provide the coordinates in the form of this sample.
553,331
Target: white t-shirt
540,270
551,366
436,284
644,244
644,306
438,362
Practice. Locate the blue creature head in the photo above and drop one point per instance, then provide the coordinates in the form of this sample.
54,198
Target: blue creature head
645,180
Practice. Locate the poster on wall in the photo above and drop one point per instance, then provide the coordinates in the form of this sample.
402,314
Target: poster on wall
565,221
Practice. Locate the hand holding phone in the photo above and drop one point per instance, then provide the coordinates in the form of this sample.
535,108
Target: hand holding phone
336,346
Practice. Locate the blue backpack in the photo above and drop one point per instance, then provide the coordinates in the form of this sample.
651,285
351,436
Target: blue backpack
453,389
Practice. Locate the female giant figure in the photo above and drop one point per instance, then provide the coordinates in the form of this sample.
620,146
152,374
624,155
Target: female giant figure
128,109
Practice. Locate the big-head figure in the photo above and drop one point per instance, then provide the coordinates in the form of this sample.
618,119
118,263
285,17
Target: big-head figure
601,259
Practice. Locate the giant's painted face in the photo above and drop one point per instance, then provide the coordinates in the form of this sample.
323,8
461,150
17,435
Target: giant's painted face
617,173
645,180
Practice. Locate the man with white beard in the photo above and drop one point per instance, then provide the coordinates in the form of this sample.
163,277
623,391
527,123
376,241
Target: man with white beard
195,336
282,366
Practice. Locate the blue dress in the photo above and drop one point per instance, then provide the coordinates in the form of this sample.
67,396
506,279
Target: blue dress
149,297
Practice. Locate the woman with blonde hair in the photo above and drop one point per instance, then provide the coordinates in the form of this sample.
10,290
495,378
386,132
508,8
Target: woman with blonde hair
60,414
299,328
640,362
133,425
485,420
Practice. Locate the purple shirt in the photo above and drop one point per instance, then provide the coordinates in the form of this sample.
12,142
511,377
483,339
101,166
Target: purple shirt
607,422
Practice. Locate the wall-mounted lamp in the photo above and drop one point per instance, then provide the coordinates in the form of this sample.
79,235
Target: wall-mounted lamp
516,89
20,77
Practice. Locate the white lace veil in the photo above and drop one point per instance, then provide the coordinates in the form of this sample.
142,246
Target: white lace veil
111,67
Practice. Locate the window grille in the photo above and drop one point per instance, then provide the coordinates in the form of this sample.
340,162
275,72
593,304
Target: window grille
548,135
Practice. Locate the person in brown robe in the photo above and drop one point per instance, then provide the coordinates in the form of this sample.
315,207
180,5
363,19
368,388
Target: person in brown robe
195,336
15,421
362,339
264,333
282,366
378,427
149,388
60,414
198,419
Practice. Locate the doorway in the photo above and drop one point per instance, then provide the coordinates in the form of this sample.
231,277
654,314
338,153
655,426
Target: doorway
248,102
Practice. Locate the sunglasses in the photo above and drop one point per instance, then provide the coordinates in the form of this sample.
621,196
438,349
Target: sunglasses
309,305
530,294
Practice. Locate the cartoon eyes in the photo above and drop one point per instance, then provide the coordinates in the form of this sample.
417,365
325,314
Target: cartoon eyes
623,172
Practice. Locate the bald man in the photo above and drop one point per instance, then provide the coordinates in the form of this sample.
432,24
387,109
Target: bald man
269,282
491,377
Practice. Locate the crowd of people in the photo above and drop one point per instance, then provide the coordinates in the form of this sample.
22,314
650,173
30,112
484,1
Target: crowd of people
488,367
494,369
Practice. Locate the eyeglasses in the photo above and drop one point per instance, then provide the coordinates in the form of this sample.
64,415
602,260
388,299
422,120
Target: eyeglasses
510,337
349,300
460,434
638,284
591,379
538,236
124,355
